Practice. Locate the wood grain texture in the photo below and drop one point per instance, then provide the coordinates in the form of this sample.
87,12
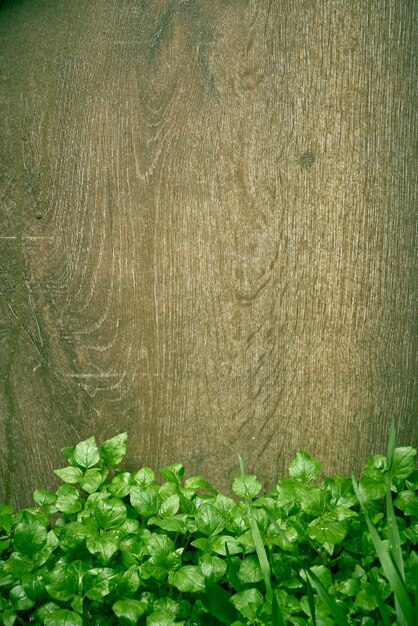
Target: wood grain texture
207,233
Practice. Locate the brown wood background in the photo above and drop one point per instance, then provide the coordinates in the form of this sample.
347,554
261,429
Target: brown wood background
207,222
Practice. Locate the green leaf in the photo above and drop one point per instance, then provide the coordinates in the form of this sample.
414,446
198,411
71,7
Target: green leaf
44,497
69,474
250,570
20,600
110,513
103,545
18,565
218,602
404,462
173,473
213,568
389,568
160,617
68,500
128,582
209,521
72,536
407,501
218,545
99,581
128,611
120,485
30,536
63,617
329,601
144,477
86,453
371,489
248,602
145,500
170,506
286,492
188,579
326,529
8,617
175,524
92,479
246,486
197,482
114,450
62,583
303,468
45,610
376,468
34,585
341,491
310,498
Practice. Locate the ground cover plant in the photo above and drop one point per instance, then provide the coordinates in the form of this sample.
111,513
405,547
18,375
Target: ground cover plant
116,547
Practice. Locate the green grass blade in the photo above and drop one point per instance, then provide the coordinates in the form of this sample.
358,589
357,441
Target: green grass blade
380,602
311,600
261,553
258,542
276,614
391,445
281,532
390,569
232,571
337,613
393,534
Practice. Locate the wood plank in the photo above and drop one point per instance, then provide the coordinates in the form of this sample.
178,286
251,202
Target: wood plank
207,232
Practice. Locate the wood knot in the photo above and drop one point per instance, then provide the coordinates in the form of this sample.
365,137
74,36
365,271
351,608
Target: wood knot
307,159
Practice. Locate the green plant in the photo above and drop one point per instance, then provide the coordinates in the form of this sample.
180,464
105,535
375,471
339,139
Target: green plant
116,547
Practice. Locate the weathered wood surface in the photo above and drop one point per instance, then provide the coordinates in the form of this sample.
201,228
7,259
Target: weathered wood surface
207,232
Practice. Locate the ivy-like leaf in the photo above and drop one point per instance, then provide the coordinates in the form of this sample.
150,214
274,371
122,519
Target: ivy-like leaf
68,500
30,536
86,453
213,568
110,513
326,529
170,506
173,473
145,500
303,468
103,545
92,479
209,521
246,486
114,450
407,501
62,584
188,579
250,570
44,497
371,489
120,485
248,602
128,611
197,482
99,581
69,474
63,617
19,599
404,462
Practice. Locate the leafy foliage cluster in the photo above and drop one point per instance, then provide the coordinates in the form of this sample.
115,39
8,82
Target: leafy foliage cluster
114,547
